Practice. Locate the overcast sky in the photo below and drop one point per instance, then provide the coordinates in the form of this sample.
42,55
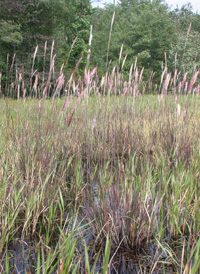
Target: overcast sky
180,3
171,3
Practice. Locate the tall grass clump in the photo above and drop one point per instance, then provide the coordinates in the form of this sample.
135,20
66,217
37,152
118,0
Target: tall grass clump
103,179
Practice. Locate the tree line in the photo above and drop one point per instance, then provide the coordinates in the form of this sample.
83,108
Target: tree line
147,31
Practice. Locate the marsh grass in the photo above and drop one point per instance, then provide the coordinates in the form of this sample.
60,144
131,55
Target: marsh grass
104,179
146,171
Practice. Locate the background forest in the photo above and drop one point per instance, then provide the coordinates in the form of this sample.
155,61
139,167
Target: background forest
147,29
105,179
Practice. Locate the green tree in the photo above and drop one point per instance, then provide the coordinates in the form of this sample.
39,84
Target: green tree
186,45
76,26
35,21
101,21
27,22
143,27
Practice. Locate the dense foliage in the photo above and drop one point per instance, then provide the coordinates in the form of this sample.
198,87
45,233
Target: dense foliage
149,31
26,24
105,178
73,175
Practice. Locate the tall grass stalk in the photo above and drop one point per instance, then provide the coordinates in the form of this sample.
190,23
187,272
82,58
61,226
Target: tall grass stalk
94,178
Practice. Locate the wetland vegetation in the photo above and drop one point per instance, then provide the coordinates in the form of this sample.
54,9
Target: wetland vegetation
100,183
100,155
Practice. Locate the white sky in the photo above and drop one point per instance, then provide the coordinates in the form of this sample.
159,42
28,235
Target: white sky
180,3
171,3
